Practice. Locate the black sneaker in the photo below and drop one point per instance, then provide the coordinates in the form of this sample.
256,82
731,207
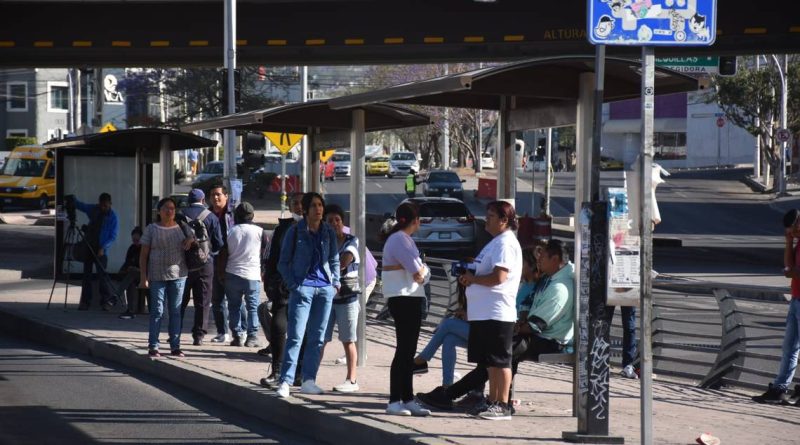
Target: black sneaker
421,369
436,399
479,408
237,341
252,342
496,411
270,381
471,400
127,315
795,398
773,396
198,341
265,352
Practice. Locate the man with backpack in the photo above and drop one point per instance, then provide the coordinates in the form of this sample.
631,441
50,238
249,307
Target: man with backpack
206,229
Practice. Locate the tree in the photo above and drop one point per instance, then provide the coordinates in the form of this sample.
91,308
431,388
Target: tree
755,94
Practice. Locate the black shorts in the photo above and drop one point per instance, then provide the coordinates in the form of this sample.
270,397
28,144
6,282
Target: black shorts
489,343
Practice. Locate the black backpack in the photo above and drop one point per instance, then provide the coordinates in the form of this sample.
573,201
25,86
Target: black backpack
200,252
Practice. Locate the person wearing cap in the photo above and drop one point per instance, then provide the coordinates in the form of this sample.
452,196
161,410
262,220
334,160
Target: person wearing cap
411,183
200,281
247,245
778,392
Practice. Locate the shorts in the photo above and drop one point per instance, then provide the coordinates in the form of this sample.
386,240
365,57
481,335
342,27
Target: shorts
490,343
346,318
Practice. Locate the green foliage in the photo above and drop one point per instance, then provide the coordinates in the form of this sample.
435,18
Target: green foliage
16,141
566,137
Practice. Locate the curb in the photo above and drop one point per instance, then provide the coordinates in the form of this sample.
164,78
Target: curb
311,418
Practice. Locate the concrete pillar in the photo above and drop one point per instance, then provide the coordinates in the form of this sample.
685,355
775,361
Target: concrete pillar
358,220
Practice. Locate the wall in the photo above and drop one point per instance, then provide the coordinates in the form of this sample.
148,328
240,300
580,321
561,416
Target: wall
47,121
704,139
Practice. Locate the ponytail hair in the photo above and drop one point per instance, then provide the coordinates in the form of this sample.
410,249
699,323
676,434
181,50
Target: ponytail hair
404,216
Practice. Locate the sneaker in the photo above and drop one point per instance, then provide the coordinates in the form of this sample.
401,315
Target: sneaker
221,338
436,399
270,381
629,372
347,386
107,306
177,353
127,315
154,353
397,409
251,342
341,360
774,396
416,409
471,400
283,390
265,352
421,368
198,341
496,411
237,341
479,408
310,387
795,398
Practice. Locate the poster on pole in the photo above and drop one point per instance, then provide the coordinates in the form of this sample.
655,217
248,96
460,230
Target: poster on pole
652,22
624,254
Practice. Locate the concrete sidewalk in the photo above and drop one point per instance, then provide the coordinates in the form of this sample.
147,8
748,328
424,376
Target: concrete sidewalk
230,375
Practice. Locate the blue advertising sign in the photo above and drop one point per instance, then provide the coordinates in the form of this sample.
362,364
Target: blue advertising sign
652,22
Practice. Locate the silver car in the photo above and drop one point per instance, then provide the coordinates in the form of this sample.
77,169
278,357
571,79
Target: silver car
447,227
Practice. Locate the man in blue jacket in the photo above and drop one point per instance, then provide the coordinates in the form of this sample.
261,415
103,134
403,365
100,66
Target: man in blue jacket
100,234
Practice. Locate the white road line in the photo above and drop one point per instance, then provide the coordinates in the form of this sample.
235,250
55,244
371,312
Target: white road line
378,185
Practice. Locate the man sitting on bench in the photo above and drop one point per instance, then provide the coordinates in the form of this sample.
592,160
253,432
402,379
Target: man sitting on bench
547,328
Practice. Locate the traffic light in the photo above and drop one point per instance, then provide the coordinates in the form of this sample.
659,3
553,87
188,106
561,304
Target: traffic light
727,66
237,89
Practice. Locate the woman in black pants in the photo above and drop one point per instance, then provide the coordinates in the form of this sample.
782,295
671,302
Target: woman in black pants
403,276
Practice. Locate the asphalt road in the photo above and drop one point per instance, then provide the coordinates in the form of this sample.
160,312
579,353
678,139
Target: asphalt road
47,397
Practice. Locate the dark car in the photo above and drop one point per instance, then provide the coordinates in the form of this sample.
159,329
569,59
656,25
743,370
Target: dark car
211,174
443,183
447,227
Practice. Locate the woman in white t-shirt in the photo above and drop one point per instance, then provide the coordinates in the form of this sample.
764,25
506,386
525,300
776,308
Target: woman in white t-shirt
491,309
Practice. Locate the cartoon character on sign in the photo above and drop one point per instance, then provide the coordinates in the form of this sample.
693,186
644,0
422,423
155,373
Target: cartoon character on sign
645,34
697,24
604,27
641,7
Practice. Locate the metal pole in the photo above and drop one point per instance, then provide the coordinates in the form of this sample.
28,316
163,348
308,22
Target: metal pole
71,121
229,136
502,154
446,137
166,176
784,100
283,184
357,224
548,178
646,245
305,152
597,125
719,146
314,156
757,154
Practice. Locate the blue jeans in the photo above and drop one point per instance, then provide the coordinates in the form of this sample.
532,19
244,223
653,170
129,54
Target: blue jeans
172,292
791,346
309,309
451,333
236,289
628,332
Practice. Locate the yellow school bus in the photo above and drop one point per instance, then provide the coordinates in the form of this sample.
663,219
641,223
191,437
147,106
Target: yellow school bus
28,178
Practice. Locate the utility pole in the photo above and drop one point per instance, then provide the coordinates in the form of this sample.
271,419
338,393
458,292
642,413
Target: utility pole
229,136
446,144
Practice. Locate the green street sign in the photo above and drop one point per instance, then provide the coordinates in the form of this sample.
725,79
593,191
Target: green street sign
690,65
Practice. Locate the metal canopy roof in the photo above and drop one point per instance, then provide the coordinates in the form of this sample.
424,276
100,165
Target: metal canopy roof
147,138
299,118
534,83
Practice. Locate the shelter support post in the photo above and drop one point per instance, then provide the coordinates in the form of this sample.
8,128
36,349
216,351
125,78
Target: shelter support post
507,154
167,170
229,136
313,173
357,222
548,177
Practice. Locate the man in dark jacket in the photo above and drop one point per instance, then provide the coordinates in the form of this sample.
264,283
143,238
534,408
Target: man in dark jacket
100,234
200,281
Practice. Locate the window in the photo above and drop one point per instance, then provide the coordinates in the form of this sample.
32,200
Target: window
19,133
17,96
404,156
669,146
57,96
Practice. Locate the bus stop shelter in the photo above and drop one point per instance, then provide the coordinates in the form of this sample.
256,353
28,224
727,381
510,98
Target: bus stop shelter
134,166
326,128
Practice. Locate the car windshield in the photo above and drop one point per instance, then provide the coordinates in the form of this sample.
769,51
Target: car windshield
404,157
24,167
214,167
341,157
443,210
443,177
487,156
381,159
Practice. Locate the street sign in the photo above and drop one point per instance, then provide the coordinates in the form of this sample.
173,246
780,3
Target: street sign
284,142
325,155
108,127
783,135
690,65
332,140
720,122
652,23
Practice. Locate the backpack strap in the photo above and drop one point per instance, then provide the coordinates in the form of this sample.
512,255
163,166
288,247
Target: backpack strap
203,215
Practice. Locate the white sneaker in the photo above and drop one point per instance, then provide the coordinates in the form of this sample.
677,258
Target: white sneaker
416,410
341,361
347,386
456,376
397,409
629,373
221,338
310,387
283,390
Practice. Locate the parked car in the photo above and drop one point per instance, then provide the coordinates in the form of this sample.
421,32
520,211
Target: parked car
487,161
401,162
536,164
446,227
378,165
443,183
608,163
211,174
341,162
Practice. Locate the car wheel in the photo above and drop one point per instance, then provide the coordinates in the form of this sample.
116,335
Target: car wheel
44,202
389,175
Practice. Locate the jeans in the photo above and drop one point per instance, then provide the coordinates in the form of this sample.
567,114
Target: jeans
791,346
451,333
628,332
106,287
172,292
308,312
236,289
199,284
219,307
407,315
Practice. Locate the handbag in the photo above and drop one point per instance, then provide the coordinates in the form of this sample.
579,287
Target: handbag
349,286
